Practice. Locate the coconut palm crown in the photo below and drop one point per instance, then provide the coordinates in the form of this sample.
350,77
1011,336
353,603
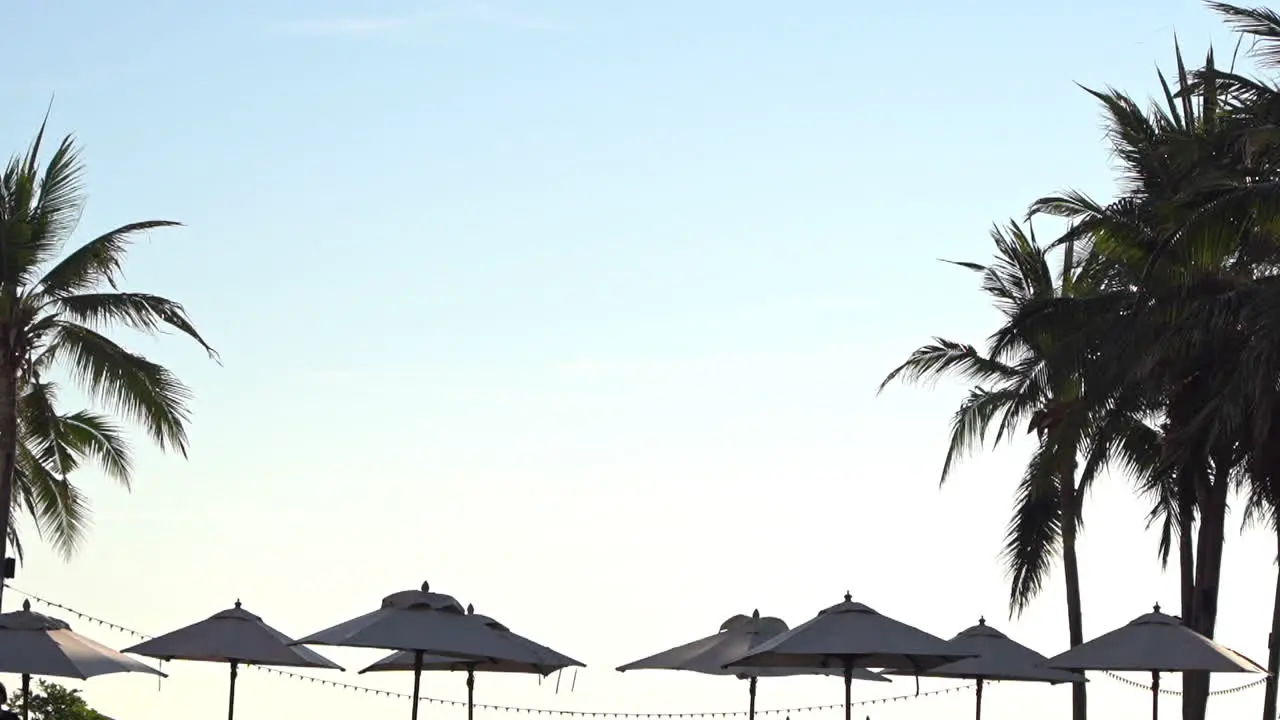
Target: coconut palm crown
55,308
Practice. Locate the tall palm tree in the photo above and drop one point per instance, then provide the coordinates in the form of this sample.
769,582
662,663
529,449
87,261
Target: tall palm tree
1176,325
53,311
1254,105
1015,386
1263,508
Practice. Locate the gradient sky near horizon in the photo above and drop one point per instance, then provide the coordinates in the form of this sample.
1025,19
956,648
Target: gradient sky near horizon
577,310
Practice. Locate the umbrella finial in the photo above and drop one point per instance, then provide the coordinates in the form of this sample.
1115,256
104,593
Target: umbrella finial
426,586
982,620
26,606
1157,608
755,614
237,603
471,609
847,596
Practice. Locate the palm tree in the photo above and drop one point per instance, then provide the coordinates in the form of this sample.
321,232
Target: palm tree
1182,324
1254,106
1263,508
53,311
1015,387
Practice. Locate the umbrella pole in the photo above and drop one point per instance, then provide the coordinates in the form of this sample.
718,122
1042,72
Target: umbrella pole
231,696
26,697
751,705
417,680
848,690
978,714
1155,696
471,691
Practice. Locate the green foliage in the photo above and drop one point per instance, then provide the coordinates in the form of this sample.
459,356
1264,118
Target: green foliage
50,701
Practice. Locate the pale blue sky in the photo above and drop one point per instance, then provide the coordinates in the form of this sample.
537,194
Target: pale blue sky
577,309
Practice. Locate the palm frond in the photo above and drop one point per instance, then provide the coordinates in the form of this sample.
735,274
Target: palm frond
946,357
1260,22
1069,205
60,510
971,422
99,261
1118,436
96,437
143,391
58,204
1020,270
1034,536
139,311
967,265
41,428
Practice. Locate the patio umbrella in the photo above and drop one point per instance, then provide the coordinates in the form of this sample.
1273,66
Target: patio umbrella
996,657
423,623
232,636
543,660
36,644
848,636
738,635
1154,643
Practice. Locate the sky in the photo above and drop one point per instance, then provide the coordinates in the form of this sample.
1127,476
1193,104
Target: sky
578,310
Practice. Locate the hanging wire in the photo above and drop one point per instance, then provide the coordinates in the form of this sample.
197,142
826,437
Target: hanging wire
505,708
1169,691
289,674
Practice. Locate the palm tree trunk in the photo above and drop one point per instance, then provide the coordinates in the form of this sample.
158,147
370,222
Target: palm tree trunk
1204,605
8,457
1071,571
1273,641
1186,556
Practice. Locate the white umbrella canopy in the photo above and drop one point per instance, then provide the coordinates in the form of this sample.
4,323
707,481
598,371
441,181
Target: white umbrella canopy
996,657
540,659
850,635
424,623
737,636
1154,643
233,636
36,644
417,621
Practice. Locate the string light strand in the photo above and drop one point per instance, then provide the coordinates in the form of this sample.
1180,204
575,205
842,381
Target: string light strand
1171,691
598,714
609,714
505,708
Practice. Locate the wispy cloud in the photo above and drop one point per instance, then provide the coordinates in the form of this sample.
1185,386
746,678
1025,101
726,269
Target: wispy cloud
444,12
485,12
341,26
